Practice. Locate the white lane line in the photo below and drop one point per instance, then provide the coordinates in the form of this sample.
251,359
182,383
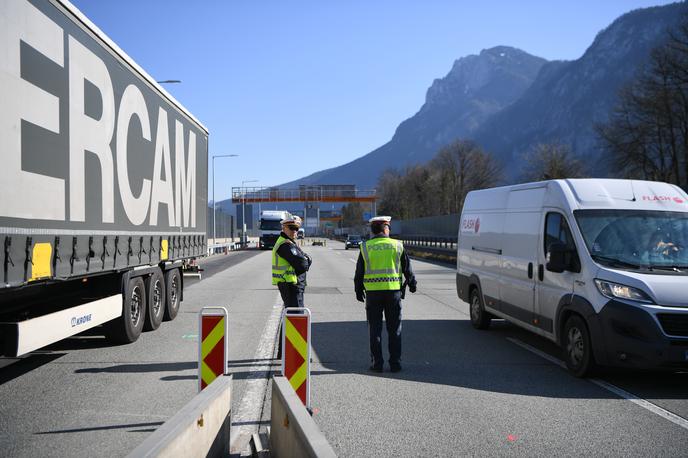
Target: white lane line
247,418
647,405
654,408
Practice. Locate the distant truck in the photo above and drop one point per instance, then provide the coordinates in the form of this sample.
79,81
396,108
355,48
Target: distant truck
598,266
270,227
104,183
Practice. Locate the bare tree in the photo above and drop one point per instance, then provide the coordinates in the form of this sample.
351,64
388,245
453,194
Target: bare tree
551,161
439,187
352,214
647,133
463,166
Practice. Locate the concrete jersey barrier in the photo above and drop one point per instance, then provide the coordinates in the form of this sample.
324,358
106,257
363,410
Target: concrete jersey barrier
201,428
293,433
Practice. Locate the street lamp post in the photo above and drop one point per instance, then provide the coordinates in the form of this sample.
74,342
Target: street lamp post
220,155
243,211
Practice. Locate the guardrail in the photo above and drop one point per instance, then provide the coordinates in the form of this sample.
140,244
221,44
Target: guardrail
201,428
448,244
292,430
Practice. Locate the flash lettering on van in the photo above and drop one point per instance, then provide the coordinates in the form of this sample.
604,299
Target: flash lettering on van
78,321
471,224
678,200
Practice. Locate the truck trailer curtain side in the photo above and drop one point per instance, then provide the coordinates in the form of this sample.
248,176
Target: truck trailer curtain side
103,172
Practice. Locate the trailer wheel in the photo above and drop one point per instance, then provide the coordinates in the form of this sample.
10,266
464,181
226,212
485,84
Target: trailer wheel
155,292
577,347
173,287
127,328
480,319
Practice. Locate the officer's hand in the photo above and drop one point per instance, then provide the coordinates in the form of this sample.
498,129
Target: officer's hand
412,287
360,296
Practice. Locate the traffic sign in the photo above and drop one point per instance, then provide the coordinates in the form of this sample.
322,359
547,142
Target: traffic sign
213,345
296,351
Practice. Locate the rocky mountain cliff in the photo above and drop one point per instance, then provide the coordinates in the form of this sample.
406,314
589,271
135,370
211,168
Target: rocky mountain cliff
476,87
567,99
509,101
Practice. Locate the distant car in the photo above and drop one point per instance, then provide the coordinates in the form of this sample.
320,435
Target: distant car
352,241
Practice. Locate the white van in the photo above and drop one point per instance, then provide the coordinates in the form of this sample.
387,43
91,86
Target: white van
599,266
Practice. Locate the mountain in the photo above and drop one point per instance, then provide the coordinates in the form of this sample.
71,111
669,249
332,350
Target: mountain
508,101
567,99
455,106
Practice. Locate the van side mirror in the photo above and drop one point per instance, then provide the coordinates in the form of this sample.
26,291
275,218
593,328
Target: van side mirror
556,257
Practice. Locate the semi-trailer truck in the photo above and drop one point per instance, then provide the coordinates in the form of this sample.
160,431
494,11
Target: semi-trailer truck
104,183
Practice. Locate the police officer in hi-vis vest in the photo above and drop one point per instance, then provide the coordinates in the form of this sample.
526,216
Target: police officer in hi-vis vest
289,266
378,282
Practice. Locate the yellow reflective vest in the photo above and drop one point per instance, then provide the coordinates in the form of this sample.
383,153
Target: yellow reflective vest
282,271
382,262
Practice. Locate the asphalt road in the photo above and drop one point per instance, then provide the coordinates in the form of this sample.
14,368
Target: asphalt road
461,392
468,392
83,397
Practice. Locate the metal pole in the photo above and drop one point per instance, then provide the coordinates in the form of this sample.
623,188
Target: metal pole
243,217
214,236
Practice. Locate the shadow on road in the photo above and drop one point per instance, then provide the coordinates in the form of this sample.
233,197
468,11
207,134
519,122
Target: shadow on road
104,428
26,365
451,352
140,368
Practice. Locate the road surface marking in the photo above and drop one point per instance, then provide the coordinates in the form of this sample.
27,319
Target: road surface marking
647,405
247,418
352,260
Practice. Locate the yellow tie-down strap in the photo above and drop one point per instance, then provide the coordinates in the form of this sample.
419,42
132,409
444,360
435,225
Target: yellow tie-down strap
40,261
163,250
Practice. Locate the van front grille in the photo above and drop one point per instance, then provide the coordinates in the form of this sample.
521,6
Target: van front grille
674,324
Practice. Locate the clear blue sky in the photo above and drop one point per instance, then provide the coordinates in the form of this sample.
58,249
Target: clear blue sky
299,86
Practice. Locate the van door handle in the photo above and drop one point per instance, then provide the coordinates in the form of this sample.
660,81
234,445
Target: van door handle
530,270
541,272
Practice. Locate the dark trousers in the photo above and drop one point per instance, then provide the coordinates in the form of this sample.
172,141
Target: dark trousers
292,296
389,304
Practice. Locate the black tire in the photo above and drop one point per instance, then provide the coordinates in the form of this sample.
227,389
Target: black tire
480,319
173,294
577,347
127,328
156,298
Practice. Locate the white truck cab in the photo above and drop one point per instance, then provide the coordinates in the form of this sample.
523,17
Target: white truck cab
599,266
270,227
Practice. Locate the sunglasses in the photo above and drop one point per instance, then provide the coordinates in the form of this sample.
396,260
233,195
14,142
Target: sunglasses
293,228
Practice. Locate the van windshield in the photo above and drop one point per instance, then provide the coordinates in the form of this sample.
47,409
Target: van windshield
636,239
270,225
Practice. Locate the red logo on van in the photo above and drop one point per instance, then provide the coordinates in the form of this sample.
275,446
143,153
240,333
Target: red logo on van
678,200
471,224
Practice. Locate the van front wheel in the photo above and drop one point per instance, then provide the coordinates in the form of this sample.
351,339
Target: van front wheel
480,319
577,347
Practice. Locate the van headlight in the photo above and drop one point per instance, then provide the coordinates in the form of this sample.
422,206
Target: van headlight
617,291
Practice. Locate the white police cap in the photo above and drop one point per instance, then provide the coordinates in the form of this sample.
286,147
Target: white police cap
296,220
380,220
